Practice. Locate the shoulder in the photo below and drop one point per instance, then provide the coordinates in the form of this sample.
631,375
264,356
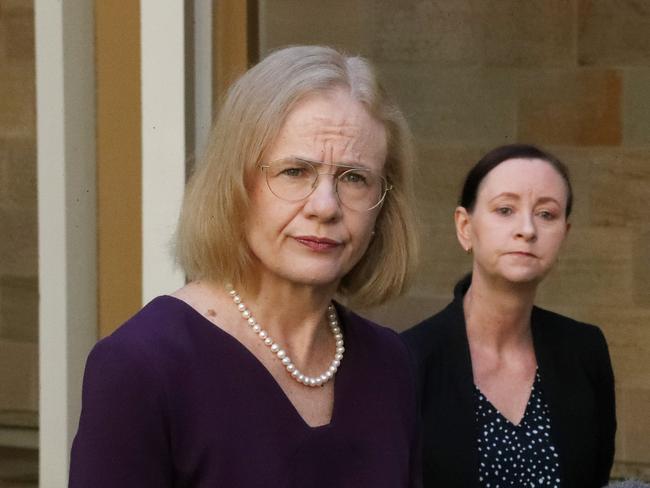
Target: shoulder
555,331
555,324
161,327
424,338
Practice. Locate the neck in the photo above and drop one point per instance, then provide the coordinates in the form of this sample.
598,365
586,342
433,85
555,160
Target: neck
497,313
294,315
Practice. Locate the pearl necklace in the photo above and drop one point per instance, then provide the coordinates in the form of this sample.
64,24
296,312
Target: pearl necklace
281,353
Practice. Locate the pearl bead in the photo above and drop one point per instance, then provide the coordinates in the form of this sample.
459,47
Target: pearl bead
311,381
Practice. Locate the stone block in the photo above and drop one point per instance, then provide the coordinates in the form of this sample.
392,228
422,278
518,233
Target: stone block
19,308
633,409
19,242
18,173
455,106
17,101
614,33
287,22
636,106
620,193
18,376
595,267
16,6
20,34
571,108
473,32
439,178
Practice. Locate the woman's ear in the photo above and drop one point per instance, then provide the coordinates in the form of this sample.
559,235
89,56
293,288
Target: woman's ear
463,228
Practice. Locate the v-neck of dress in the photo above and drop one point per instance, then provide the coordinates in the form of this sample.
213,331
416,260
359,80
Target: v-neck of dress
253,359
526,409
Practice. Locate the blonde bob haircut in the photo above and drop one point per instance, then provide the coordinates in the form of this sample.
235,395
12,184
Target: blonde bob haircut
210,240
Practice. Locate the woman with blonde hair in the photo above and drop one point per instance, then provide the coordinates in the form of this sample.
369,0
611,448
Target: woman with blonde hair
251,374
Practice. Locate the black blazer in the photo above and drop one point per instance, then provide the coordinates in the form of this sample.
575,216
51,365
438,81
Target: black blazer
578,382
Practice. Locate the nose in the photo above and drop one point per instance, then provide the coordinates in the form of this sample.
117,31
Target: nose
323,203
526,227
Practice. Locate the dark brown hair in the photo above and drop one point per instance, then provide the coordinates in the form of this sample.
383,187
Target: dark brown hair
502,153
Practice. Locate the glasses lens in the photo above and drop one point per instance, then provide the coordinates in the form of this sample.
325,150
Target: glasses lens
291,179
360,189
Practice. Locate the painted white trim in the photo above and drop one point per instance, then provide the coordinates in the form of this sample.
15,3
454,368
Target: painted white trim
202,74
65,92
163,141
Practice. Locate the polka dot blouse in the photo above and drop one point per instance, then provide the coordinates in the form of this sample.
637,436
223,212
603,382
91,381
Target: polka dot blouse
516,455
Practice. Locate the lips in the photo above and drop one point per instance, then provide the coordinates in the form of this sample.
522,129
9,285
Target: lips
523,254
317,243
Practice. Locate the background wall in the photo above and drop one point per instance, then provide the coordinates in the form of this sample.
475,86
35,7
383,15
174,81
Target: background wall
572,76
18,241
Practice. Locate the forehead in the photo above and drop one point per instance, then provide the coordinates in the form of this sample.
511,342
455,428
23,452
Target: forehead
524,176
331,127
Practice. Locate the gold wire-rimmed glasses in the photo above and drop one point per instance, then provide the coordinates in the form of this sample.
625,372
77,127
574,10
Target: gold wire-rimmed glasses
293,179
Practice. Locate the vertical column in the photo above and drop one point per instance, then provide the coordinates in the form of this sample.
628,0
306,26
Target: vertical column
163,140
65,90
119,162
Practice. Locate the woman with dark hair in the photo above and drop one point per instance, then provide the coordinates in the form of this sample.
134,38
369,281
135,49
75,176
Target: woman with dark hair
511,394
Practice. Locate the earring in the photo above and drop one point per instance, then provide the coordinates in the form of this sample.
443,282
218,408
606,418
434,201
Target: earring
469,250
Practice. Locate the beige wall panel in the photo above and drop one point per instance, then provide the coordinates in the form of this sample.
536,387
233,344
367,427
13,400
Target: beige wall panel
636,129
572,108
614,33
119,161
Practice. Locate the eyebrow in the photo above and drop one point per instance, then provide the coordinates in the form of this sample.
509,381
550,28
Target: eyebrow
340,165
514,196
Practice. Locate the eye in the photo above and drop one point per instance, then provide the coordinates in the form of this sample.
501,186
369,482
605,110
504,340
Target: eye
505,211
354,177
546,215
293,172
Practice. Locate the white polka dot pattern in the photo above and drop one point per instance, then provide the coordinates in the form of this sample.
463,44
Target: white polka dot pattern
516,455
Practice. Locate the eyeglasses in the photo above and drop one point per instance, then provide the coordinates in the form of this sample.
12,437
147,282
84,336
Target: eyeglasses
294,179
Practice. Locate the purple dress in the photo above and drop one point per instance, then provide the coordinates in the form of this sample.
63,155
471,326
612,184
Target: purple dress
170,400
